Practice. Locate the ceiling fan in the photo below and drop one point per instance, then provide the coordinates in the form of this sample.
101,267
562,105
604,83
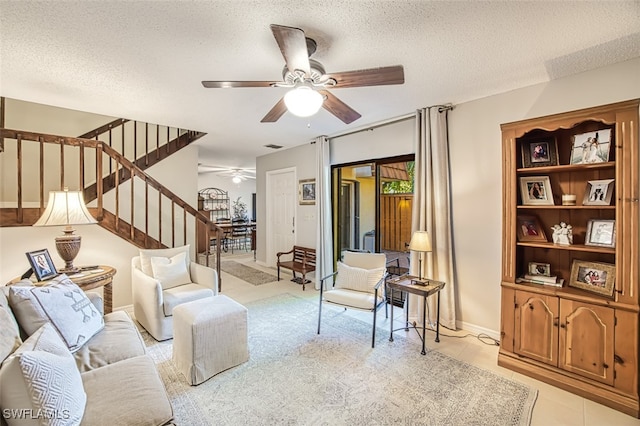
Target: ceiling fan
309,80
236,174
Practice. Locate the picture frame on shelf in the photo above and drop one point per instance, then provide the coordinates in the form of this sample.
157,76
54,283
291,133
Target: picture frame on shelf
539,152
537,268
41,264
591,147
595,277
536,190
598,192
307,191
529,229
601,233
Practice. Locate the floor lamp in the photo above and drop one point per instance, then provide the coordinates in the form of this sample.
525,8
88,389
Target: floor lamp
66,208
421,243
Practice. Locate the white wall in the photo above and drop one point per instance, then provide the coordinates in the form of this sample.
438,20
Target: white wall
475,149
389,140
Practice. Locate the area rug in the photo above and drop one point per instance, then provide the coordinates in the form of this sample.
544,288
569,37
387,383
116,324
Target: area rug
247,273
297,377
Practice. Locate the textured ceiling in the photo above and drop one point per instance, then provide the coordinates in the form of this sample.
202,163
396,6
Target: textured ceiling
145,60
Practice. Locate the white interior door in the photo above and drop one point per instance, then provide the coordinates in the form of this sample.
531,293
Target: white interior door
281,212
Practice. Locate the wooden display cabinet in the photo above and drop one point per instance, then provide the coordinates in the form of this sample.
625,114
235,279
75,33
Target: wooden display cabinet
582,341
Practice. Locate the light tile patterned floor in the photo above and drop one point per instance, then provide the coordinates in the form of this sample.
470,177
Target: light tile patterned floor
553,406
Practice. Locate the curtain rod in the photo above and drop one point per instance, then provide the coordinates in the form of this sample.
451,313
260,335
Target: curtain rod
441,108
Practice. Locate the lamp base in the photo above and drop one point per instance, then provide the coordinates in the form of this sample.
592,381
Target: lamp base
68,247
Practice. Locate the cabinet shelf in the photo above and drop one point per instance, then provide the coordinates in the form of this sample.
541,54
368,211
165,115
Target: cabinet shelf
572,247
574,336
566,168
566,207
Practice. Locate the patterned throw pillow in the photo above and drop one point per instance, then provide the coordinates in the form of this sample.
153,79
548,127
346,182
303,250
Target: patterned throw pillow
352,278
41,382
170,271
60,302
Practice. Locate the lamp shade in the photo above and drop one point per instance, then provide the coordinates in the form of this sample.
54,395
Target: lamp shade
303,101
65,208
420,241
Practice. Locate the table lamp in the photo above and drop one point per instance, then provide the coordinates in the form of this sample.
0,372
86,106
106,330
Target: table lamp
66,208
421,243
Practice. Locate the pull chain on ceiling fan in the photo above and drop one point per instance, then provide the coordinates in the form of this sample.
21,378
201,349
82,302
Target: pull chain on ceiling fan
309,82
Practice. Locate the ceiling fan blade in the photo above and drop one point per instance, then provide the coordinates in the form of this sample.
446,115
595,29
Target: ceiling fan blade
293,46
338,108
275,113
232,84
369,77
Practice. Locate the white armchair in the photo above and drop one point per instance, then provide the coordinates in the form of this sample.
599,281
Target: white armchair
359,283
161,280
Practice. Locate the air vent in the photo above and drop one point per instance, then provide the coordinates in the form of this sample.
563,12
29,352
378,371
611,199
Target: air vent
272,146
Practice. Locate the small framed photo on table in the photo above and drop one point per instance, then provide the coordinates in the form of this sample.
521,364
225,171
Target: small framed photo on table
591,147
601,233
539,152
536,190
595,277
307,192
41,264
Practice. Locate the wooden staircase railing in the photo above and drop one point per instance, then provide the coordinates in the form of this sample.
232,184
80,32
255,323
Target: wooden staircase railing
142,210
142,143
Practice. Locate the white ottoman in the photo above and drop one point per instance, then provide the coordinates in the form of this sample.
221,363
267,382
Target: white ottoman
209,336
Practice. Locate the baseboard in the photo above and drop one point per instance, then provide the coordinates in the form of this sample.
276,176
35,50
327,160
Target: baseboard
475,329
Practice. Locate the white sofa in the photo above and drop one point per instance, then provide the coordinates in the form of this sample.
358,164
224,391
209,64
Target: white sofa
120,380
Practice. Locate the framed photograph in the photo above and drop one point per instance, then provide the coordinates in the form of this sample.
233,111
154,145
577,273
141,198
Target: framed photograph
537,268
598,193
593,276
307,191
536,190
539,152
529,229
41,264
601,232
591,147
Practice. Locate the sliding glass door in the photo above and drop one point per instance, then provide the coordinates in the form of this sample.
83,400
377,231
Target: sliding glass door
372,204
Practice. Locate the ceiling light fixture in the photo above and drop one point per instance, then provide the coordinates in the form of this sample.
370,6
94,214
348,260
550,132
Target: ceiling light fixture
303,101
236,179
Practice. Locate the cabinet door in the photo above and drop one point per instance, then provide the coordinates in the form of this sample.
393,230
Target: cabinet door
536,327
586,340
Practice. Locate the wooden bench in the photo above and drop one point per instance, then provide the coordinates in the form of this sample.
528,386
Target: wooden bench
303,261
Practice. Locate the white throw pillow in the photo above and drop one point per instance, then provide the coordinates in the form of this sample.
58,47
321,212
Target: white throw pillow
60,302
170,271
352,278
9,334
146,255
41,382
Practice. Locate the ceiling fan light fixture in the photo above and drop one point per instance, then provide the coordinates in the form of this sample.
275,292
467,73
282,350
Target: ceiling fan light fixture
303,101
236,179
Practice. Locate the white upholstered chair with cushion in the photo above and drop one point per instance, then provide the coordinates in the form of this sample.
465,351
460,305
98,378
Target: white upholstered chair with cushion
358,283
163,279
